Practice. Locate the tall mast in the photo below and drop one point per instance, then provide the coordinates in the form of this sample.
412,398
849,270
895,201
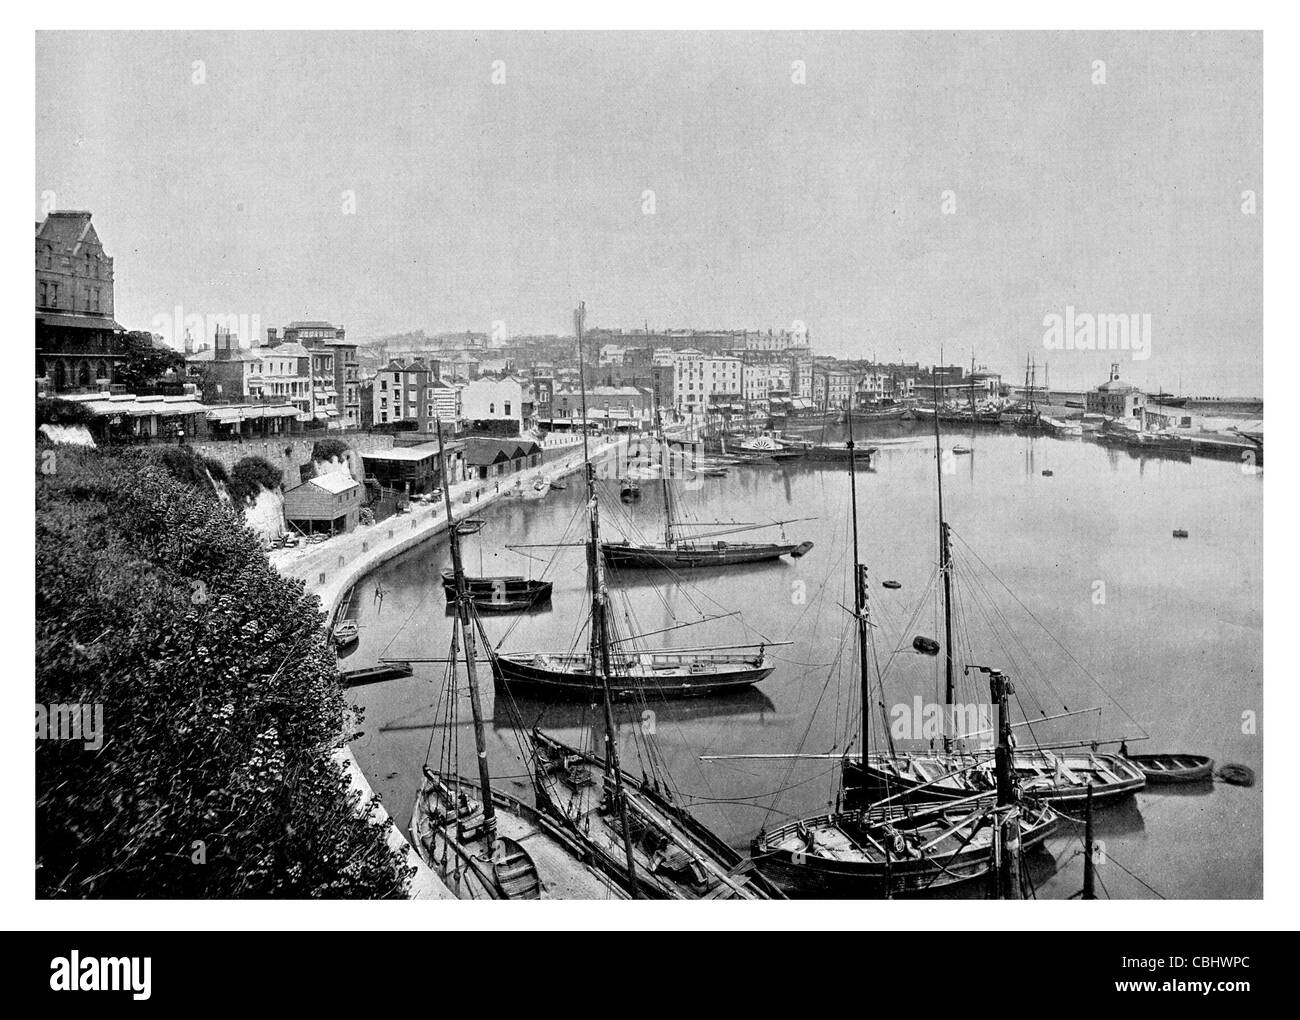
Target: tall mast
599,656
945,568
665,462
859,594
467,634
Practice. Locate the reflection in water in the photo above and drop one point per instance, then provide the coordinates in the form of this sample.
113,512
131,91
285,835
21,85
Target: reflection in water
1171,630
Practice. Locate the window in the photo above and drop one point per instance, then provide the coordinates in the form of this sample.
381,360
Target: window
45,295
383,384
383,416
492,408
54,295
507,408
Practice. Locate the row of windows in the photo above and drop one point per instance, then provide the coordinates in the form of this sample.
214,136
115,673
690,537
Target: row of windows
49,296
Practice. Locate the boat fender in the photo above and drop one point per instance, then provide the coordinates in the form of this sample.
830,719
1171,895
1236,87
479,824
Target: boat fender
1237,775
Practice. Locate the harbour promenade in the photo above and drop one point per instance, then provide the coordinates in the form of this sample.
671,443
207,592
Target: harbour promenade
330,569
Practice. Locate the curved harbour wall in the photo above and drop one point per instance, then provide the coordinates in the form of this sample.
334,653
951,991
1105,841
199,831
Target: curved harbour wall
329,570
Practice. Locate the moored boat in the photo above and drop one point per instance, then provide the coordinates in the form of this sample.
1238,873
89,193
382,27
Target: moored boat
503,594
659,673
1174,768
346,632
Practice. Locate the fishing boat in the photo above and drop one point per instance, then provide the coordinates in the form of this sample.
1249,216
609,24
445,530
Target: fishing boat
501,594
1051,775
346,632
481,842
1174,768
895,848
1046,775
662,673
630,829
892,851
674,856
676,552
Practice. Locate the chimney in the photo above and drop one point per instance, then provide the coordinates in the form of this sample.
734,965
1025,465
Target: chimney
223,345
1114,371
272,337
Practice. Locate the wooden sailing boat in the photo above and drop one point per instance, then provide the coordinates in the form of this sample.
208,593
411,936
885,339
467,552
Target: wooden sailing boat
892,848
676,552
629,827
481,842
1044,773
623,670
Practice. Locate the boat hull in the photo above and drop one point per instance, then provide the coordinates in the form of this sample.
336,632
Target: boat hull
1174,768
666,676
677,557
534,858
676,856
500,594
930,777
807,873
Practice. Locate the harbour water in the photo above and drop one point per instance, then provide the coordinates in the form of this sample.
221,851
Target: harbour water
1070,581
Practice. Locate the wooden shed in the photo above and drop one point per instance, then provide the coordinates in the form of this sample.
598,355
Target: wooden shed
330,503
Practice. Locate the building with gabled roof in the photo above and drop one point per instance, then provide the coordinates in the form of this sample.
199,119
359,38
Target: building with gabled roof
79,346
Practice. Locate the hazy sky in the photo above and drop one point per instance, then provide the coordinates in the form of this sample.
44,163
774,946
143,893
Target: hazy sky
774,202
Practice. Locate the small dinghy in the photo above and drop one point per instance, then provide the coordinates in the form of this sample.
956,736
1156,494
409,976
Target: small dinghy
630,492
801,549
1047,474
891,585
960,450
1174,768
346,633
558,486
1180,533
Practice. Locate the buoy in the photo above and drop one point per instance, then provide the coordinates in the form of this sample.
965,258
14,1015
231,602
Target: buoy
1237,775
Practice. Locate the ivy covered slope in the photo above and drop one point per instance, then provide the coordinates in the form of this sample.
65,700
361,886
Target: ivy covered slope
219,694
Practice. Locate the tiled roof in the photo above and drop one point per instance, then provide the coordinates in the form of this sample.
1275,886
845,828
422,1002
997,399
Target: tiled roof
65,230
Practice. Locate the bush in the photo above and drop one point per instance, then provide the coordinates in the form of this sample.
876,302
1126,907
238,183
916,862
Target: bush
329,449
53,411
219,696
249,477
188,467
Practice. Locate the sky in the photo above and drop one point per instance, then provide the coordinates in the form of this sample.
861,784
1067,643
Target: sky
897,194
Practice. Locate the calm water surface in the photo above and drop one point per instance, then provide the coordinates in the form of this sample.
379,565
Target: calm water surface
1161,636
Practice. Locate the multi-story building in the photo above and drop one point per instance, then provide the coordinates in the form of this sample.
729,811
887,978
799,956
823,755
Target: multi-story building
339,371
496,401
700,381
613,406
78,344
226,373
413,392
762,380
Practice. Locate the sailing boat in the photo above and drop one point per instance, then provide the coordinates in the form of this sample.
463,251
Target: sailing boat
891,848
480,841
953,774
616,665
629,827
675,552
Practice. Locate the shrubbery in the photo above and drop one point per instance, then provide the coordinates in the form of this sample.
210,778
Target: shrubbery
219,694
54,411
250,476
329,449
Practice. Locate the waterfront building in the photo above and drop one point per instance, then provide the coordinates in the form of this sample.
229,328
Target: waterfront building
608,406
78,344
125,417
494,403
1116,398
415,469
700,381
329,503
487,458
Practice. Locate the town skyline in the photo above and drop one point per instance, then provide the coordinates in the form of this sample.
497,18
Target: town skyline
903,195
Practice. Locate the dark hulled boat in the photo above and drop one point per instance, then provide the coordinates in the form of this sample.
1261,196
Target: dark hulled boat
505,594
891,851
665,674
689,554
